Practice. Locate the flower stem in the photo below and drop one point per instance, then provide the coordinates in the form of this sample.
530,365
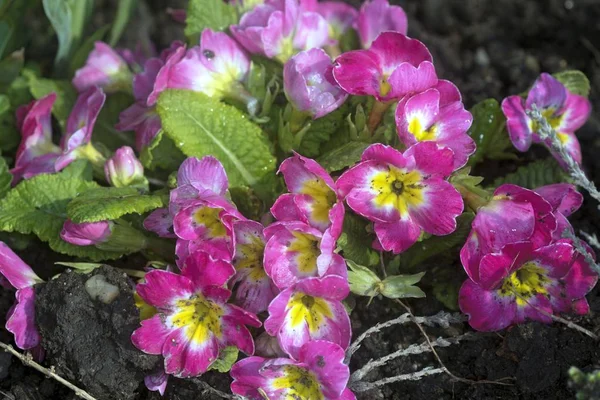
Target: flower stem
376,115
474,197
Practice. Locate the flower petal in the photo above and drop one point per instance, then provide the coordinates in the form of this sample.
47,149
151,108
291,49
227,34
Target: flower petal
151,336
486,310
162,289
22,320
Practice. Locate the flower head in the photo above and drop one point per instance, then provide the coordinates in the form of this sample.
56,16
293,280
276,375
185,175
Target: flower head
309,84
104,68
564,200
391,68
521,283
318,373
194,321
124,169
437,115
87,233
565,112
378,16
403,194
340,17
280,28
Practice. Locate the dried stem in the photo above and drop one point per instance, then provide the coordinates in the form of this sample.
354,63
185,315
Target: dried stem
206,388
27,360
415,376
592,239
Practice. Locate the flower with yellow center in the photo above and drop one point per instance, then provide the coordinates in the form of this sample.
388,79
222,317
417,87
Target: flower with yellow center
398,189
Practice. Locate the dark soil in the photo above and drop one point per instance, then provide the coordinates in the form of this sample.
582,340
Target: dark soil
489,49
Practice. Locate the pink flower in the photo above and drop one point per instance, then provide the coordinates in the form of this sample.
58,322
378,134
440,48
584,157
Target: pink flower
565,200
513,214
254,290
393,67
104,68
86,234
280,28
20,320
76,141
565,112
514,284
340,17
124,169
194,321
311,309
36,153
437,115
318,373
378,16
403,194
309,84
296,251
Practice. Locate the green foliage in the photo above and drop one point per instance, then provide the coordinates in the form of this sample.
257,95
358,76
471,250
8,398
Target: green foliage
104,130
162,153
489,132
535,174
65,94
109,203
247,202
227,357
5,178
402,286
200,126
356,241
214,14
342,157
587,384
365,282
14,24
321,130
9,136
80,56
575,81
10,68
124,11
362,280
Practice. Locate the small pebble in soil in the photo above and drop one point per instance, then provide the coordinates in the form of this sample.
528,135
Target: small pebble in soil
99,289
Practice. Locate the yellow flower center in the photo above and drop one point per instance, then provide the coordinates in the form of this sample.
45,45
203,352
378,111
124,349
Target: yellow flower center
299,384
307,248
420,132
323,198
397,188
313,310
209,218
250,256
525,283
146,310
200,317
384,86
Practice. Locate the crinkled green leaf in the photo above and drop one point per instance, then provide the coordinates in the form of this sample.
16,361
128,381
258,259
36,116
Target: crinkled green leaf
356,242
200,126
162,153
39,206
5,178
124,11
575,81
489,132
65,94
321,130
362,280
109,203
227,357
535,174
402,286
214,14
342,157
79,169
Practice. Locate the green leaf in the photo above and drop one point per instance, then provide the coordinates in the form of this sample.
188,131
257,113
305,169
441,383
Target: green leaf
435,245
80,56
342,157
355,241
227,357
39,206
535,174
109,203
9,135
10,68
214,14
162,153
447,294
6,32
362,280
401,286
65,94
321,130
575,81
124,11
489,132
200,126
82,268
247,202
5,178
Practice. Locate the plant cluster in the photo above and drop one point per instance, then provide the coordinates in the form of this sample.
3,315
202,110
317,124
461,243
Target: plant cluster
174,155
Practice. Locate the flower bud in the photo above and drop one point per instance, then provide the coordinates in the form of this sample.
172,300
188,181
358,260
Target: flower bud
87,233
104,68
378,16
124,169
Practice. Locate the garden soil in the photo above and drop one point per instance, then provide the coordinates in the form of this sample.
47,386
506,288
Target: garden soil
488,49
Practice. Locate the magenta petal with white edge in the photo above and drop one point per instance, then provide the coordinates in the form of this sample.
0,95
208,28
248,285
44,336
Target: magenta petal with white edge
151,336
223,55
359,73
87,233
442,204
378,16
286,209
563,197
574,113
163,289
35,124
185,358
431,160
22,320
518,122
339,16
326,360
163,77
203,270
103,69
487,311
19,274
203,174
397,236
547,93
247,378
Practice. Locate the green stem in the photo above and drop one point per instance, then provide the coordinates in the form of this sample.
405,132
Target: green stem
376,115
474,197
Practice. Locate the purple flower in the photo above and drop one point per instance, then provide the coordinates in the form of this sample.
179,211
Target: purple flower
104,68
340,17
403,194
564,200
20,320
437,115
124,169
391,68
378,16
194,321
318,373
565,112
87,233
309,85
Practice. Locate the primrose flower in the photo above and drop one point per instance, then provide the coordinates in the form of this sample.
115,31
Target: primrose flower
514,214
565,112
378,16
124,169
340,17
403,194
318,373
437,115
280,28
36,153
104,68
309,85
20,320
86,234
391,68
565,200
76,142
517,282
295,251
194,321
